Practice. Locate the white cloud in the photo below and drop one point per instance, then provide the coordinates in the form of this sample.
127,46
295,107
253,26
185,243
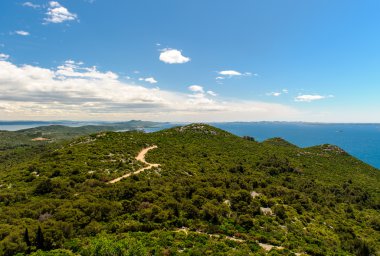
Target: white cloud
57,13
22,33
310,98
72,69
196,88
3,56
30,4
232,73
229,73
275,94
173,56
74,91
54,4
212,93
150,80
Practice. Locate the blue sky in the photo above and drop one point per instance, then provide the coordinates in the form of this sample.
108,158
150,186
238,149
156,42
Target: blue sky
196,60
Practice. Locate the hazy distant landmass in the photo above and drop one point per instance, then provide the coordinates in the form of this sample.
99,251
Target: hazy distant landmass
57,131
19,125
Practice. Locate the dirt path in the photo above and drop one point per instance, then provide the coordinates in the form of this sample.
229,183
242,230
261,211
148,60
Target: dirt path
140,157
269,247
266,247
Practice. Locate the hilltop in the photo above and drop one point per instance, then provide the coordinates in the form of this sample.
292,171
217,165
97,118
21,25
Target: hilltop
59,132
206,192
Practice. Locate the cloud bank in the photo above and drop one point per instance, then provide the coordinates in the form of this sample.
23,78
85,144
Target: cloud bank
74,91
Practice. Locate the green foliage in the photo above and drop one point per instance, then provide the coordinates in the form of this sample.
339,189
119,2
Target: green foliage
57,252
213,194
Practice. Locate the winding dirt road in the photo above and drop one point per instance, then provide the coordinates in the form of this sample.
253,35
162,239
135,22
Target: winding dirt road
140,157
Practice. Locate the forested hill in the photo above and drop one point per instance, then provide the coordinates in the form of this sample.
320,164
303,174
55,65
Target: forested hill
202,191
58,132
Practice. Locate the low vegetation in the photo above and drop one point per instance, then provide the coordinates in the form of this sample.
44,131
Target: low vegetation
213,193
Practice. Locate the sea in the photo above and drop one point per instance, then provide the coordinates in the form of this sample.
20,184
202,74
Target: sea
359,140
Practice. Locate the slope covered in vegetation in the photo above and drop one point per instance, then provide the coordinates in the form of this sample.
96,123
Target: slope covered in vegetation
213,193
55,133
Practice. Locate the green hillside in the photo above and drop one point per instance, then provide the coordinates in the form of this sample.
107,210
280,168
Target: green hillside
212,193
54,133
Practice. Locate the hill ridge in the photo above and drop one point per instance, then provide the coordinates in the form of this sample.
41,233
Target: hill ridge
210,181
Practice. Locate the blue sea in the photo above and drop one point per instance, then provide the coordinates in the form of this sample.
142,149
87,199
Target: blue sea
359,140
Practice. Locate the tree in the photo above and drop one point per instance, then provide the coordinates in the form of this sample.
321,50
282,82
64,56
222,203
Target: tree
280,212
26,238
40,239
249,138
45,186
